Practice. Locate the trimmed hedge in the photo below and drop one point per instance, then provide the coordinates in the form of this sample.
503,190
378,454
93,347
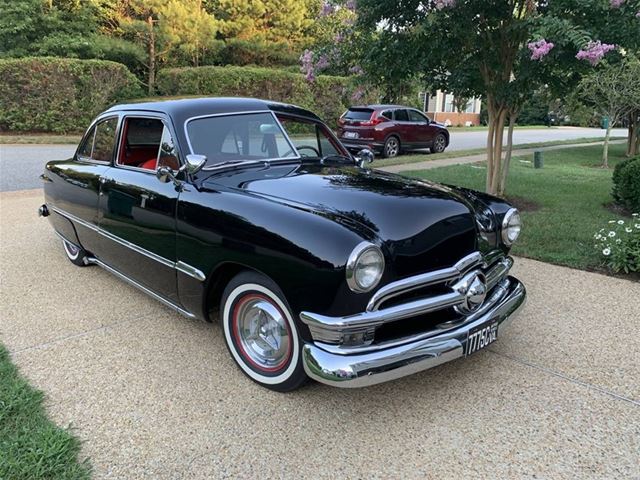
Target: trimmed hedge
60,95
327,96
626,184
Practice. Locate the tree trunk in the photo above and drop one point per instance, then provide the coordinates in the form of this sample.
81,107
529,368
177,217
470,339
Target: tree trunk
633,138
152,57
605,150
513,116
495,134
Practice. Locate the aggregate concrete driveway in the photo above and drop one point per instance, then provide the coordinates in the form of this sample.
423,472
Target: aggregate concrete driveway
154,395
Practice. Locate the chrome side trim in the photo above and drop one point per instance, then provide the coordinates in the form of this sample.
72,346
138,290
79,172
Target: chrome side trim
191,271
423,280
141,287
370,368
180,265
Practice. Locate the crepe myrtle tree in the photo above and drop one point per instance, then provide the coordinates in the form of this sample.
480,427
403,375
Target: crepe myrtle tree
501,50
614,92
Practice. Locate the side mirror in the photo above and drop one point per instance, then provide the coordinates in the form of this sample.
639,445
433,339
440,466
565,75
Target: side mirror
194,163
364,157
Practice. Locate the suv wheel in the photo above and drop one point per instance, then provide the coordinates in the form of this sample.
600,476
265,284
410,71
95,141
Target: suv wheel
391,147
439,144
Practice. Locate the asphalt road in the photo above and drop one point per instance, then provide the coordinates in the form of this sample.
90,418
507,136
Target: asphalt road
21,165
155,395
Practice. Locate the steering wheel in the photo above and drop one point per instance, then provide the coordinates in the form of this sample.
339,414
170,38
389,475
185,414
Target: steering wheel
305,147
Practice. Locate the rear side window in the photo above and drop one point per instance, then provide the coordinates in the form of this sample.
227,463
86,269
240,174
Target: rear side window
401,116
360,114
388,114
105,139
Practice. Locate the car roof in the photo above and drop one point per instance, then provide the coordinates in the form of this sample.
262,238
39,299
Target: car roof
184,108
380,106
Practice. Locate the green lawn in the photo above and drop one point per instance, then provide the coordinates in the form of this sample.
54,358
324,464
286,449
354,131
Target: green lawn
423,157
571,193
36,138
31,446
485,128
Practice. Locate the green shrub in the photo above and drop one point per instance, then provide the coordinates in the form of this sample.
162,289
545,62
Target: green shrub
255,52
626,184
59,95
327,96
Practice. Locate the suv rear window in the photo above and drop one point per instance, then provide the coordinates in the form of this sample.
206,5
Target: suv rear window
358,114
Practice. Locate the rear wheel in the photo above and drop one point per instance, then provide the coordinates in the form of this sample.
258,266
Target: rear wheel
439,144
75,254
260,332
391,147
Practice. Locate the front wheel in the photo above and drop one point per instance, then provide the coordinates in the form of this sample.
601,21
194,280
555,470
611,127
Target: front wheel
391,147
260,332
75,254
439,143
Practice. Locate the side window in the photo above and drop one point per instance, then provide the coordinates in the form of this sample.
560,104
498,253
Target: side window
105,139
417,117
87,145
168,156
388,114
143,142
401,116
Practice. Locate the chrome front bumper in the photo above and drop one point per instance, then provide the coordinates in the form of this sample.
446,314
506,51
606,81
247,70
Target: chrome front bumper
377,363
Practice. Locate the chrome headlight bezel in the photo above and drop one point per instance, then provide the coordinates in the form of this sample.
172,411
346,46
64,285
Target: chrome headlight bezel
353,263
511,220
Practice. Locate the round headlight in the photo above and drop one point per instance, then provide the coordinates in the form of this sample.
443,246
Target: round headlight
364,267
511,226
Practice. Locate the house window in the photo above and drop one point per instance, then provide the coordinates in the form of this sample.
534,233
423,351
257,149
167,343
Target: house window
448,103
470,108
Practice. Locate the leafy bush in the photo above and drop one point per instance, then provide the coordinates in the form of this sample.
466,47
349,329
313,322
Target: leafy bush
626,184
327,96
256,52
620,244
59,95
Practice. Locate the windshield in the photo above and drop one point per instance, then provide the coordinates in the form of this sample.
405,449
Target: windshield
249,136
310,138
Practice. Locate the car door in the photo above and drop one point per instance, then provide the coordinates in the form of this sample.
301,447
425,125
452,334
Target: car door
403,126
137,211
73,186
422,132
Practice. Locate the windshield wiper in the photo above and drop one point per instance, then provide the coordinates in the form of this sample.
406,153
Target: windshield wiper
335,156
232,163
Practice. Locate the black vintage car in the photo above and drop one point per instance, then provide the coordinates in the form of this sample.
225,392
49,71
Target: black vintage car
252,212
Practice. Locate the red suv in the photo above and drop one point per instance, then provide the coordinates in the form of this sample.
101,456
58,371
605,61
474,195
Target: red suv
390,130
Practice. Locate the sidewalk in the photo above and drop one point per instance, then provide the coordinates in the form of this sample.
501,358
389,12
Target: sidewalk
445,162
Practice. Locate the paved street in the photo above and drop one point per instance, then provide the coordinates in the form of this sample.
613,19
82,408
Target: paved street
21,165
154,395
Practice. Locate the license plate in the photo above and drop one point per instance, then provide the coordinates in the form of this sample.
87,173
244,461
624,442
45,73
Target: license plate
350,134
480,337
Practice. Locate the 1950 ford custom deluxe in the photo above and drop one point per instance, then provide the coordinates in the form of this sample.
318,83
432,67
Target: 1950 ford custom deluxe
253,213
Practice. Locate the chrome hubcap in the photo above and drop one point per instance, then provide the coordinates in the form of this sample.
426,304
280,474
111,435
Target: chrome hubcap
440,143
263,333
392,148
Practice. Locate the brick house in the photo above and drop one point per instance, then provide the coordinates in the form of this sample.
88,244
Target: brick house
440,107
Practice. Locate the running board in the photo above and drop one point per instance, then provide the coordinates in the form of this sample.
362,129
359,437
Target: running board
151,293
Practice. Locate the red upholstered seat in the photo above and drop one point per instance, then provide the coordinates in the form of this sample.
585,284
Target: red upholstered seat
149,164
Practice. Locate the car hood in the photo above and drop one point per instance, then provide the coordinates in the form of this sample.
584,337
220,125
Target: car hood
411,218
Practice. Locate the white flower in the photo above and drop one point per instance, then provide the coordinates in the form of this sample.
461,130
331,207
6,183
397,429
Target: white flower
612,234
620,222
606,252
619,240
628,230
612,221
637,225
635,214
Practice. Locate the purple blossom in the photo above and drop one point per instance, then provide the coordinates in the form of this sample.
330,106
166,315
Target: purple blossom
638,14
356,70
616,3
594,51
358,93
540,49
351,5
322,63
440,4
327,9
306,65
